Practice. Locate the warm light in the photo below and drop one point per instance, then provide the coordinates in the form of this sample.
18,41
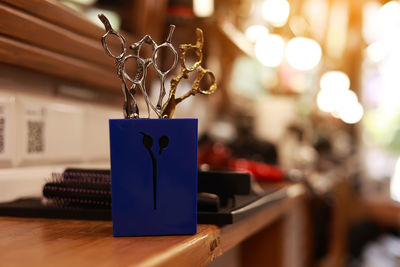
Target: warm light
338,29
352,113
370,27
256,32
348,107
298,25
341,103
328,100
303,53
276,12
388,15
325,101
335,80
315,13
395,183
269,50
376,51
203,8
336,98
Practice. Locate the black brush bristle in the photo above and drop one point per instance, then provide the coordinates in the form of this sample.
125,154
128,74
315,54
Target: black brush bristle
79,188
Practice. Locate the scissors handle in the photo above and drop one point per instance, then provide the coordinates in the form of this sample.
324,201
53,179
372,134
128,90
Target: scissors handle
136,47
167,44
130,107
110,30
201,73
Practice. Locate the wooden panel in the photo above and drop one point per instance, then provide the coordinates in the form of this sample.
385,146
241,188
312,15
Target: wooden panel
32,30
62,42
151,18
58,14
386,213
266,246
19,54
67,18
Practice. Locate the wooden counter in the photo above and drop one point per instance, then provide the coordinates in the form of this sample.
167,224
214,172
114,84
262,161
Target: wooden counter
56,242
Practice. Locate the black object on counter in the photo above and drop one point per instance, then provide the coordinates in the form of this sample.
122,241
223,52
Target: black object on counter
223,198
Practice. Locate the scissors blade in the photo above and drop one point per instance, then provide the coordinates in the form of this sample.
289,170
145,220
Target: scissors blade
106,22
170,33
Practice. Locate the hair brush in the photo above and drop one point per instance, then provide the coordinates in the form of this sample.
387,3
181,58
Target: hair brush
83,188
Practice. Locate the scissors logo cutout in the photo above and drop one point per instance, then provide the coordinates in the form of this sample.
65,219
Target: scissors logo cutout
163,142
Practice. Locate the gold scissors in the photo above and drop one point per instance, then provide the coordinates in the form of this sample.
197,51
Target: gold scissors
169,106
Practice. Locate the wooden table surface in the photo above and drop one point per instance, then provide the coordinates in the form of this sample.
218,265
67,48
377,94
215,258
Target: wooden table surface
57,242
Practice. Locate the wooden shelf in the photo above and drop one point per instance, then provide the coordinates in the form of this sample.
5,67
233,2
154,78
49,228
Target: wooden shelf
48,37
57,14
17,53
50,242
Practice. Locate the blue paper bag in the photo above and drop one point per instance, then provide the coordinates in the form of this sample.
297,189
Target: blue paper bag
154,176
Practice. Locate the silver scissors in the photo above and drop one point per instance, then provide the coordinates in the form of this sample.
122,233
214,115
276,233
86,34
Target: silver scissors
163,74
146,62
142,65
130,108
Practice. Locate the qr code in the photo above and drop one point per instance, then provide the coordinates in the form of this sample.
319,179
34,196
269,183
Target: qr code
2,137
35,136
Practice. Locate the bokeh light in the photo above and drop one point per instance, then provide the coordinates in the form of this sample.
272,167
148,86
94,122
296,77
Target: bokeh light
326,100
376,51
203,8
269,50
370,28
276,12
303,53
334,80
388,15
336,98
256,32
351,113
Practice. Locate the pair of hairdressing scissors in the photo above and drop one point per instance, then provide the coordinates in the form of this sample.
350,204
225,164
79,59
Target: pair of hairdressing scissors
169,106
130,108
142,66
146,62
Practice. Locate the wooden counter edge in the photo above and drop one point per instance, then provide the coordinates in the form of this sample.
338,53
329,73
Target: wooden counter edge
200,249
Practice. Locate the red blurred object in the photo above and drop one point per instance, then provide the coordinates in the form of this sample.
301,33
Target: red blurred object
181,11
218,157
260,170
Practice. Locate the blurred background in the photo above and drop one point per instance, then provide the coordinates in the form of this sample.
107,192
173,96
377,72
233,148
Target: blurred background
306,85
